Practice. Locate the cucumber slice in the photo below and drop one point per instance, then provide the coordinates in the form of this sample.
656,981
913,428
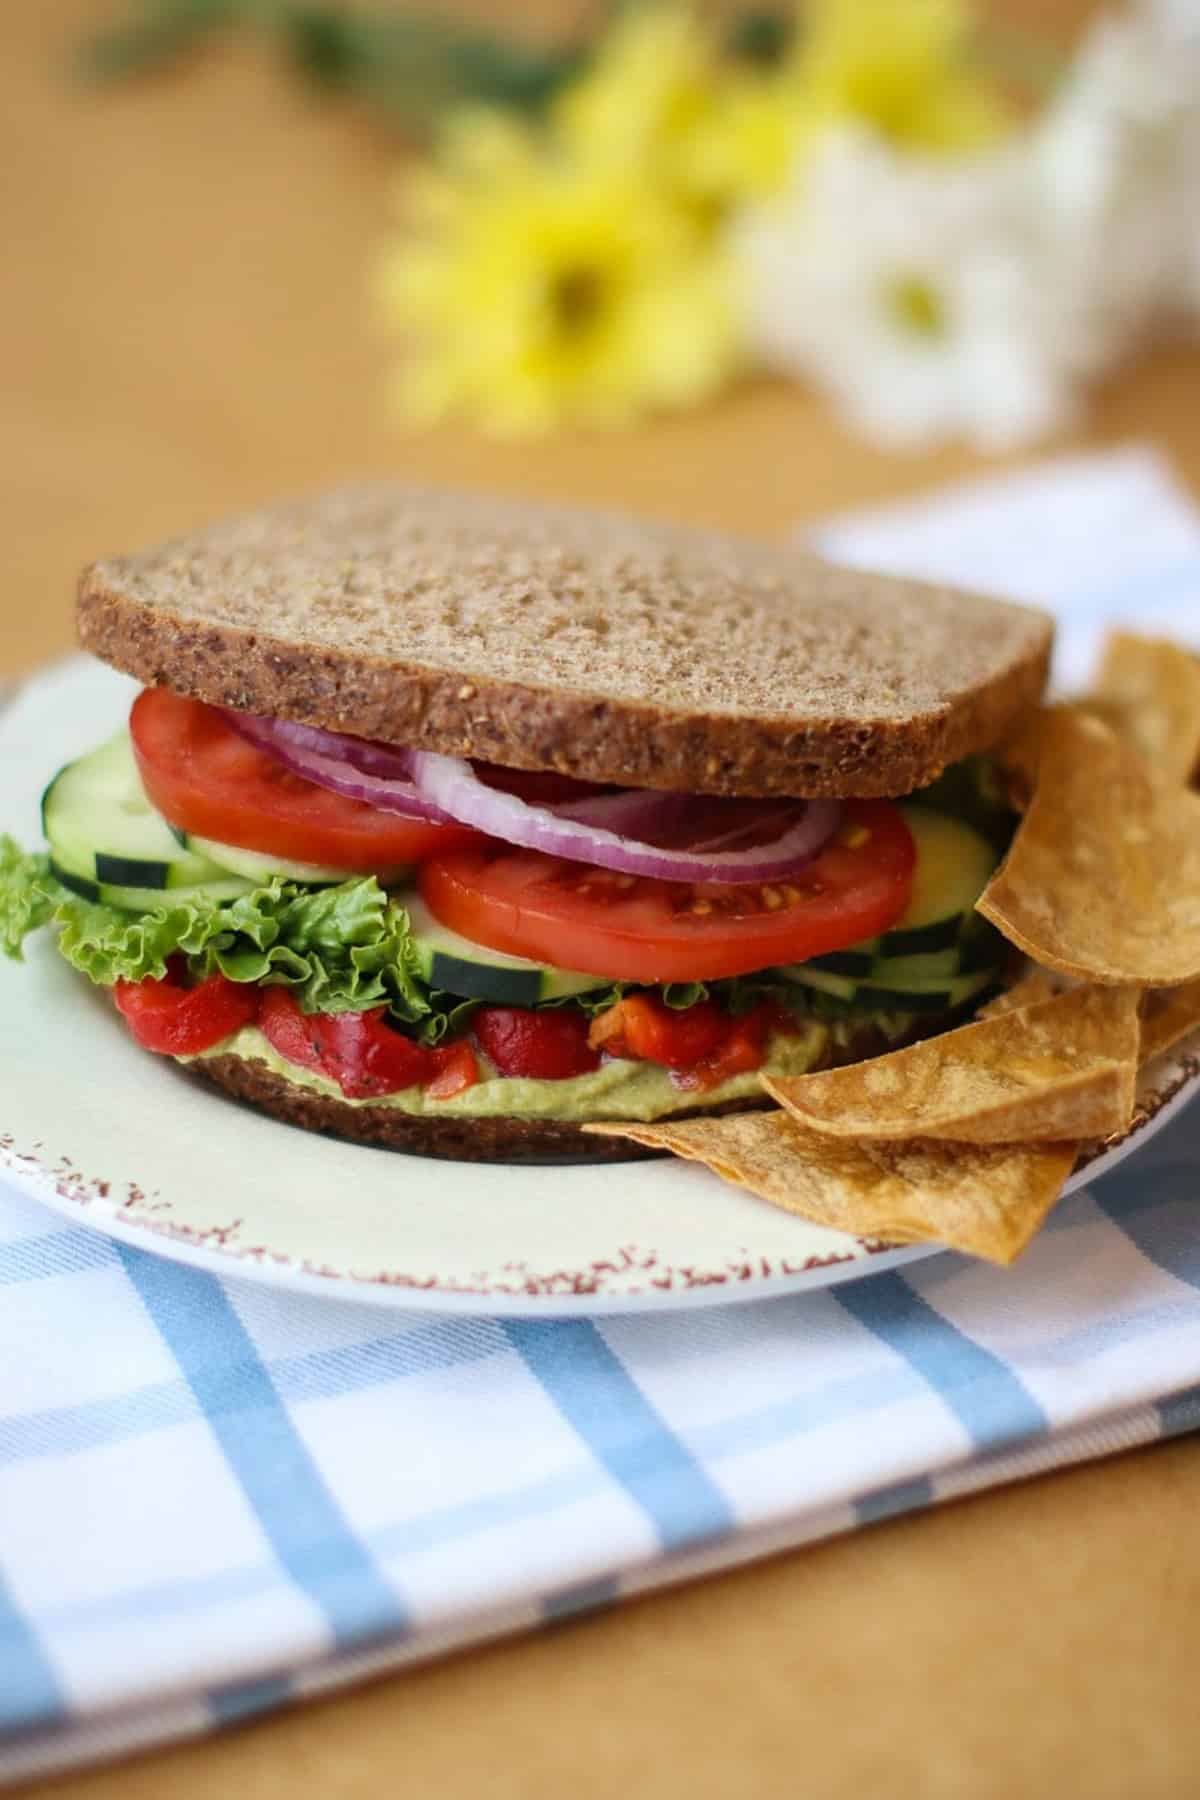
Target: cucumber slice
927,968
918,999
879,995
259,867
146,899
972,791
102,830
823,981
954,865
446,960
940,937
859,960
981,946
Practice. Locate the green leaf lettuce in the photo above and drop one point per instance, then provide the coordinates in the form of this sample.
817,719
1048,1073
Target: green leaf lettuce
26,902
339,948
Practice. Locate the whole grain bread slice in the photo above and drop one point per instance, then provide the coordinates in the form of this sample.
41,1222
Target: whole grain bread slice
458,1137
547,637
491,1137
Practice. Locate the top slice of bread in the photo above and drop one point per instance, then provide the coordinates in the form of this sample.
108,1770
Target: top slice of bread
551,638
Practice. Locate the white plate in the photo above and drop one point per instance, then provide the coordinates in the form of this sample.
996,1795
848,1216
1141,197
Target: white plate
128,1143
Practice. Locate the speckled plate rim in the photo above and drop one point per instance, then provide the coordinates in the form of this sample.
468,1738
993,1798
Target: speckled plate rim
398,1292
666,1288
92,1127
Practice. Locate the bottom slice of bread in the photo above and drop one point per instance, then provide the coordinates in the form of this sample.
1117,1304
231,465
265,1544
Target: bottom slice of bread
458,1137
485,1139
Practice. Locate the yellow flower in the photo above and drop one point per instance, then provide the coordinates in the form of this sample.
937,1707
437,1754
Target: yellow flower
664,97
544,290
650,84
579,272
746,146
901,67
660,97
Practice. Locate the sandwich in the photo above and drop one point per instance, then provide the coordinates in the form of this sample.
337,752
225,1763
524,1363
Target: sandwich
454,824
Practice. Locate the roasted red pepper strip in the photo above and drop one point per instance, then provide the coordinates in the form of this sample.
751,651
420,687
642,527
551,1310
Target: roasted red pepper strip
366,1057
362,1053
641,1027
701,1045
293,1033
455,1070
176,1020
741,1051
544,1046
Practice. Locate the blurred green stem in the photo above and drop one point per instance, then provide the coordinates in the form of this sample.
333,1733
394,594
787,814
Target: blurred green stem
409,64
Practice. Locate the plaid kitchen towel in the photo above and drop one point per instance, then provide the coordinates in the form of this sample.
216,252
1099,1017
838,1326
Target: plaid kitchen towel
216,1497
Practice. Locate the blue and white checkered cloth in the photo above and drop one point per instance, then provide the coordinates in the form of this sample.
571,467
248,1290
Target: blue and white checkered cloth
216,1498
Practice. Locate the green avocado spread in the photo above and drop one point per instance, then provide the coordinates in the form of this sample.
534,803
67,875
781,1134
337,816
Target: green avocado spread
619,1089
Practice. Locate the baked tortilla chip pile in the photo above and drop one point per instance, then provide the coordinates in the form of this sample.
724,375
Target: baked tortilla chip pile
966,1139
1103,878
1149,691
986,1201
1168,1016
1064,1068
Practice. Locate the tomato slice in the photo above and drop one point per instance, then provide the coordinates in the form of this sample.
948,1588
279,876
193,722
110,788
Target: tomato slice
206,779
181,1021
638,929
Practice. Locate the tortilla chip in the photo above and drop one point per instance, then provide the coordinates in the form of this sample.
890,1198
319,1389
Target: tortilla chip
1103,877
1064,1068
1150,690
1168,1016
1109,712
1016,763
986,1201
1033,987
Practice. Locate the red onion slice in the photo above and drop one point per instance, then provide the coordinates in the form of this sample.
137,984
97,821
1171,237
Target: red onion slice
353,767
691,838
797,830
280,735
626,813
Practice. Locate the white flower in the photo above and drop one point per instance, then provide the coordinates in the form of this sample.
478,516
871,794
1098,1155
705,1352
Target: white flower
909,288
1108,157
1177,24
1186,294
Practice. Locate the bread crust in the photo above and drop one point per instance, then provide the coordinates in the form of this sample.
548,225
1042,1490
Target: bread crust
549,638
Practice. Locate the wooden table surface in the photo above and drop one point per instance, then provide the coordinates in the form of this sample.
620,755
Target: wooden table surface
183,327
